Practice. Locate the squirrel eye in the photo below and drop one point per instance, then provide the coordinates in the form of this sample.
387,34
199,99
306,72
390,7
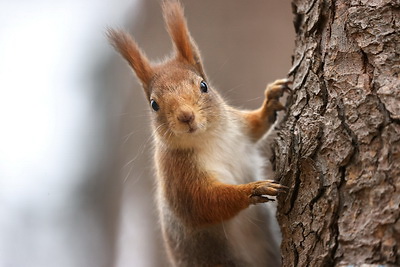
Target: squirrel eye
154,105
203,87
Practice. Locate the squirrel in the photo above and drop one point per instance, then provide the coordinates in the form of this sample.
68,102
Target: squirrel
208,163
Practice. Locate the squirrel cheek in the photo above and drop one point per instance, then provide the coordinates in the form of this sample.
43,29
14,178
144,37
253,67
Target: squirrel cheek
202,123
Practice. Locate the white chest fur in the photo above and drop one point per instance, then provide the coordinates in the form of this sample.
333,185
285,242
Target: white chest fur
231,157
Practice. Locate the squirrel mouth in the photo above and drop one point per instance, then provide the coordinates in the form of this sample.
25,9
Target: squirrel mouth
192,129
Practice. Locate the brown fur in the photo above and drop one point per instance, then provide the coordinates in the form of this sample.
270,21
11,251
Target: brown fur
260,120
199,192
184,45
194,203
128,48
207,201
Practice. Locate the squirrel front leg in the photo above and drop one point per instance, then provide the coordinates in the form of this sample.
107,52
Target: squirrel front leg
215,202
260,120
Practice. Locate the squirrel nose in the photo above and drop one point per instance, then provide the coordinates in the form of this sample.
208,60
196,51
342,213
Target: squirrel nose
186,116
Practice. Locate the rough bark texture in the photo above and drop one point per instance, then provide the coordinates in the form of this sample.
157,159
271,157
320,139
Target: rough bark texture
339,145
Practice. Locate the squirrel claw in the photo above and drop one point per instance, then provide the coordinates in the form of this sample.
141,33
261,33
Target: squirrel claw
262,189
286,87
260,199
276,89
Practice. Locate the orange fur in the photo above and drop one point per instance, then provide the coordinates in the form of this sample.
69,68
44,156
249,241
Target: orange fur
200,199
128,48
197,198
184,45
262,119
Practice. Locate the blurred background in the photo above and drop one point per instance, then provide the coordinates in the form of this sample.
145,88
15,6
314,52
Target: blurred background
76,182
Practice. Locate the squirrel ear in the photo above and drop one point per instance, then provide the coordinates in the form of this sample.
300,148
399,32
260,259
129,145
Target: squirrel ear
128,48
184,44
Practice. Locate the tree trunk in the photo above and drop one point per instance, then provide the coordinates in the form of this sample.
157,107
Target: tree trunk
338,147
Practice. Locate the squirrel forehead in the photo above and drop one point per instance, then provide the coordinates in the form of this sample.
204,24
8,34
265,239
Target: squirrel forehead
172,79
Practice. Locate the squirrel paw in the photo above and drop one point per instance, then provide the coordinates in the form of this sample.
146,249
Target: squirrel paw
263,189
274,91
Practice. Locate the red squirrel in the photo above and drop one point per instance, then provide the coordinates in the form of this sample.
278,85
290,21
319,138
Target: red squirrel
208,163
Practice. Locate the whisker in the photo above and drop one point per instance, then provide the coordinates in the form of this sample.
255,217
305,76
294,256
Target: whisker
123,114
206,108
140,151
223,227
233,88
215,74
128,174
253,99
128,136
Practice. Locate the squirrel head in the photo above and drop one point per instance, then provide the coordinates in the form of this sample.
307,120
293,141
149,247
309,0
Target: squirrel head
183,103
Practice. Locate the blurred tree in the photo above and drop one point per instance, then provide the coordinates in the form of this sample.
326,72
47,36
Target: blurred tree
339,144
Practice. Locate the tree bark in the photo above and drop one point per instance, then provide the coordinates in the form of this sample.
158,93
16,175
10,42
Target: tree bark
338,147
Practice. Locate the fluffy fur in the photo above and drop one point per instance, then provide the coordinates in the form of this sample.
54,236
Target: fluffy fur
209,168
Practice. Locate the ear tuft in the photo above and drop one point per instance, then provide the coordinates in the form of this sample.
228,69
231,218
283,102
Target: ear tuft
128,48
177,29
